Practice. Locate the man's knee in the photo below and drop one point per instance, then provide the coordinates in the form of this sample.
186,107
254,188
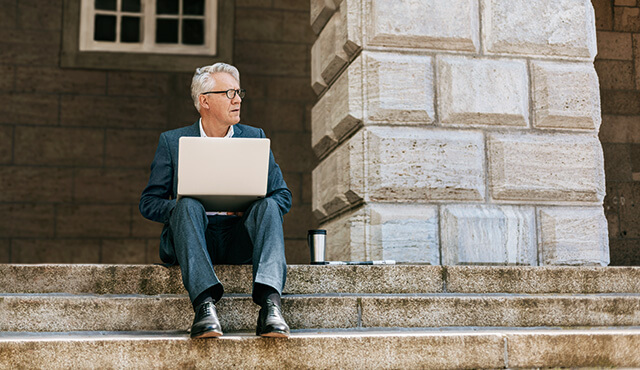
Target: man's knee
188,206
266,205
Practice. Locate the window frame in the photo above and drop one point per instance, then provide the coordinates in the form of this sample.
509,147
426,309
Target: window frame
173,60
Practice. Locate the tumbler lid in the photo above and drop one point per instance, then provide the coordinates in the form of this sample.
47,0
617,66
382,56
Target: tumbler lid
318,231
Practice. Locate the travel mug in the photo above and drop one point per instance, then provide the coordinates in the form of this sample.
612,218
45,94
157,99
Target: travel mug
317,240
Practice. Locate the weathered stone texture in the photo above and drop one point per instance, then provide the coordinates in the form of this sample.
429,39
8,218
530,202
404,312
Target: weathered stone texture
6,144
626,19
486,92
339,111
614,45
615,74
58,146
89,220
573,236
488,235
14,110
399,88
559,168
547,27
337,44
418,164
26,220
413,24
55,251
401,232
36,184
565,96
320,13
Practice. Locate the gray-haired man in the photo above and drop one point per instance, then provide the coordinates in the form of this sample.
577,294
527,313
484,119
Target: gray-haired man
195,239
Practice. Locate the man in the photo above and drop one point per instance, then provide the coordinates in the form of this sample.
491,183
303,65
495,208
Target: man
197,240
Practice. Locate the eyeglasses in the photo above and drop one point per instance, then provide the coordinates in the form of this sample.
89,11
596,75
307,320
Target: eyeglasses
231,93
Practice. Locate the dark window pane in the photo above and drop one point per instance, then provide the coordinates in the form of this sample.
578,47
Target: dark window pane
105,28
167,7
131,6
193,7
106,4
193,32
130,31
167,31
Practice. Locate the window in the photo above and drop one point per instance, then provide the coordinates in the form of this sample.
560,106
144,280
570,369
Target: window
149,26
173,35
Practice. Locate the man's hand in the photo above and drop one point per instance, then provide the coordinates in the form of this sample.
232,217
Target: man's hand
239,214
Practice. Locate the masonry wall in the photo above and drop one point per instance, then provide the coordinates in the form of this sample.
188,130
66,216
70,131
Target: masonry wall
76,145
618,68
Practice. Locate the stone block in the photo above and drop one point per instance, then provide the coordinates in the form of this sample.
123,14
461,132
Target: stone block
56,251
629,198
36,184
339,111
58,80
58,146
558,168
573,236
7,77
97,185
40,15
271,58
14,109
623,102
298,221
420,164
604,14
565,96
307,188
625,2
339,180
320,12
617,163
279,115
402,24
296,28
143,228
620,129
624,252
390,102
258,24
615,74
338,42
123,251
8,14
291,5
558,28
93,221
6,144
153,252
318,83
30,47
482,92
626,19
636,48
574,349
402,232
296,252
286,88
285,143
614,45
138,84
120,112
5,250
488,235
27,220
254,3
130,148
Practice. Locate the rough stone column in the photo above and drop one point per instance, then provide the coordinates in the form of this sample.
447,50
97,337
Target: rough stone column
458,131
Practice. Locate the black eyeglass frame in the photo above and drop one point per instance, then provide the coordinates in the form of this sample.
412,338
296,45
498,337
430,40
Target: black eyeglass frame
231,93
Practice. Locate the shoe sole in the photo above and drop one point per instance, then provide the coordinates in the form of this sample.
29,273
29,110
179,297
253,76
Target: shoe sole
207,334
275,334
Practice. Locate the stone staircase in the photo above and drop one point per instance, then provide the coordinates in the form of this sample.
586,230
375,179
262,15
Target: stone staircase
402,316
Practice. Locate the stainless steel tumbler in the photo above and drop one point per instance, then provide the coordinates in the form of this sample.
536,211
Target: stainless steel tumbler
317,240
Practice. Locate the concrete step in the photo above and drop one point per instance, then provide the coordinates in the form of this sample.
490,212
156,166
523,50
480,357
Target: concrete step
305,279
64,312
459,348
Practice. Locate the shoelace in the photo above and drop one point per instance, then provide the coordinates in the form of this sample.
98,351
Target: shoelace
275,313
207,309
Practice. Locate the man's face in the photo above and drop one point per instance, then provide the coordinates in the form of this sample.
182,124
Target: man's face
220,108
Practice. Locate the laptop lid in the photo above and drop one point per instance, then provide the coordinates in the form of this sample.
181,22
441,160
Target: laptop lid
223,174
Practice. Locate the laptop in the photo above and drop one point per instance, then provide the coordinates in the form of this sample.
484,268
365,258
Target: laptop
223,174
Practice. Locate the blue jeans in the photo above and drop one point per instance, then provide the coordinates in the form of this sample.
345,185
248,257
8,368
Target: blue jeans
202,241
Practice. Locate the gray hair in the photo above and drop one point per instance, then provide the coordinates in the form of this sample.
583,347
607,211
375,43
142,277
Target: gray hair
203,80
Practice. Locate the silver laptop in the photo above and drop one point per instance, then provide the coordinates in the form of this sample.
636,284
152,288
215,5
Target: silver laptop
223,174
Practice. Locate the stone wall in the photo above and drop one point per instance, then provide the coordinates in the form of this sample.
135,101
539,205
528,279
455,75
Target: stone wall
618,67
76,145
458,132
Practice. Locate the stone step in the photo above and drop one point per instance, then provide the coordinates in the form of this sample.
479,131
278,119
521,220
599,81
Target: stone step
64,312
458,348
306,279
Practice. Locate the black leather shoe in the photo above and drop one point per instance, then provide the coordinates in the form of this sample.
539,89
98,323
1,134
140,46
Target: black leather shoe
271,323
206,324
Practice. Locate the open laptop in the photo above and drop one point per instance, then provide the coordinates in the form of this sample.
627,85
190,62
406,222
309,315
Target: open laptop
223,174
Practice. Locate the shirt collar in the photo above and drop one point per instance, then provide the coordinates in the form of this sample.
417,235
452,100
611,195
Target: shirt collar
203,134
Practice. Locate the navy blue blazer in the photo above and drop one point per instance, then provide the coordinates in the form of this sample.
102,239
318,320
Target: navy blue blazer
159,196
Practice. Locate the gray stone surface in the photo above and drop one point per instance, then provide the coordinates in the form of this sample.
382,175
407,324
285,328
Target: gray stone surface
486,234
402,24
357,350
320,11
541,280
474,91
564,28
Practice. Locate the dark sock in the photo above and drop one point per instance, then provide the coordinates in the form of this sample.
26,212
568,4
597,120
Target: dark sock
263,292
212,294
